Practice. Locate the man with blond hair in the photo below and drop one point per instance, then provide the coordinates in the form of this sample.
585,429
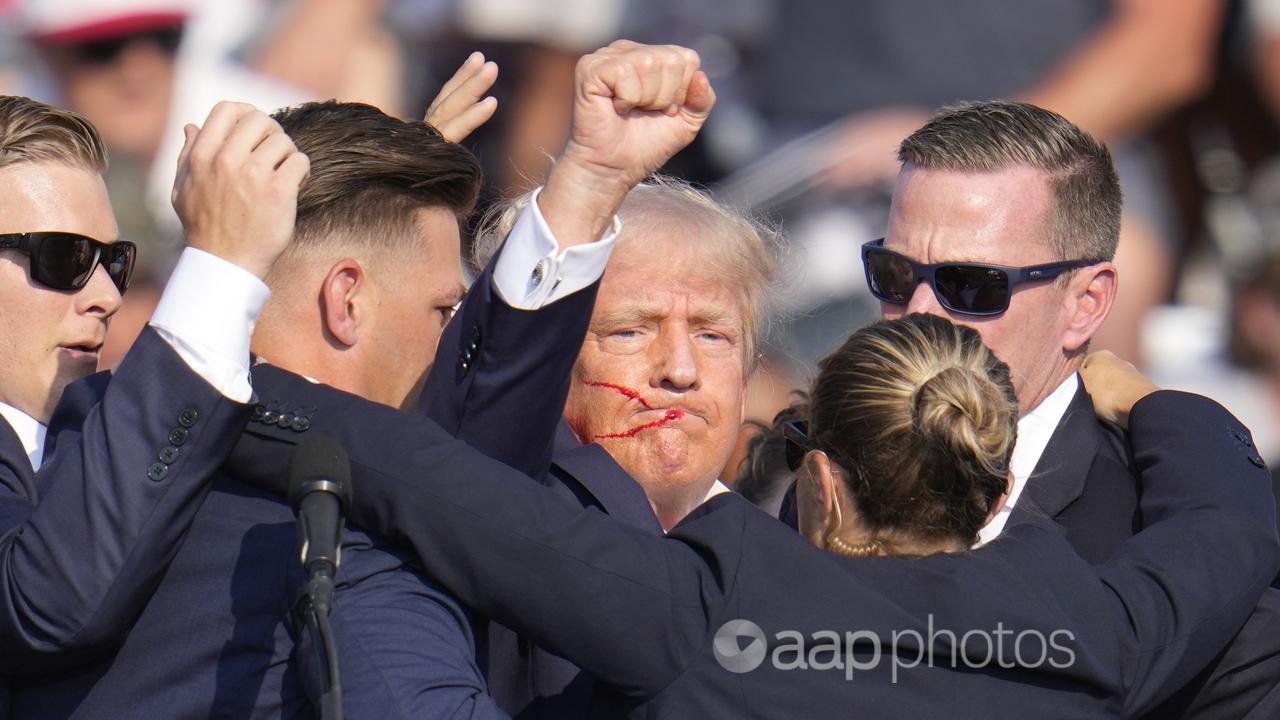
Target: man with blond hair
89,523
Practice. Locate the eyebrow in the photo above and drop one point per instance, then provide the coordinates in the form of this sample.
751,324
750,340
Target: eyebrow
640,314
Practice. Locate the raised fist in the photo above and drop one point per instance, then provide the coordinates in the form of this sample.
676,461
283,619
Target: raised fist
634,106
236,190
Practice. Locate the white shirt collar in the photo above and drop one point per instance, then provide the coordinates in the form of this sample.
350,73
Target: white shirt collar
716,489
1034,430
31,433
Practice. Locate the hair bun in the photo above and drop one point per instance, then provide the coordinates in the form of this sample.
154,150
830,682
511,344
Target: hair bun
965,416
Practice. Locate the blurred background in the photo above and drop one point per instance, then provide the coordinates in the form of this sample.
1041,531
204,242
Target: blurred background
814,96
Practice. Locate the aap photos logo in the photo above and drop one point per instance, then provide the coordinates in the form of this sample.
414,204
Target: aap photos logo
739,646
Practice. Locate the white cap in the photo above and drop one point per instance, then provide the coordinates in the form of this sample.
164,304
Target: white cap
75,21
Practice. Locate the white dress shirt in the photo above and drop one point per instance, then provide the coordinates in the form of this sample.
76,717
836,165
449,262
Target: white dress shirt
532,271
1034,430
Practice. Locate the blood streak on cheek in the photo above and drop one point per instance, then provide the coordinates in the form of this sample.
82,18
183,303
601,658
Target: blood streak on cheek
632,394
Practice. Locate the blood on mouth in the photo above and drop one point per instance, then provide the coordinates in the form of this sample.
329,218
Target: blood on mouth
632,394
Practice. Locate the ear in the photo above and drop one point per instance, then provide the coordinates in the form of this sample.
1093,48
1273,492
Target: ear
1090,294
815,497
342,288
1258,318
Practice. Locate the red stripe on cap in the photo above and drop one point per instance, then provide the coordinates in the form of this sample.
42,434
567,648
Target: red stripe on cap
111,28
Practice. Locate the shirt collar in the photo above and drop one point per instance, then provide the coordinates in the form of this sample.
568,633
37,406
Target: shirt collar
29,431
1034,431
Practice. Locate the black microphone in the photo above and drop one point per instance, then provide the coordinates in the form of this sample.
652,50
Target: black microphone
320,492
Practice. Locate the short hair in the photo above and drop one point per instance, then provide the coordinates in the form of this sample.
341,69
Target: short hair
370,172
747,248
32,131
989,136
924,418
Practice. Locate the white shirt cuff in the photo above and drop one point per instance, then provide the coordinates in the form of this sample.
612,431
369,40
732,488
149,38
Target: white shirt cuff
532,270
207,313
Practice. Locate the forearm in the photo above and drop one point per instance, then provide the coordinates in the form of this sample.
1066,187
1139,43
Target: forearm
1151,56
76,573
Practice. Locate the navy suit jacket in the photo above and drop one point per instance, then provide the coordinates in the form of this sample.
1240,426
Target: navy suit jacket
645,613
85,541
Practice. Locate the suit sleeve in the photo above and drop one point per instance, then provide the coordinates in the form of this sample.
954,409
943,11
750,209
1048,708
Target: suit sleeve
79,562
501,374
1208,550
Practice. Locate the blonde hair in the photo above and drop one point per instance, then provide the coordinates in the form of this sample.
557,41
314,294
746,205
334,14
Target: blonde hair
989,136
746,248
924,419
31,131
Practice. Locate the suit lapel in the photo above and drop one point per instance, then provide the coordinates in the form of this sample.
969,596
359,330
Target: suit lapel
597,474
1059,477
16,473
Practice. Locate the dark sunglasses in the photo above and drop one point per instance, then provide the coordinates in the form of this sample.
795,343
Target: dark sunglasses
796,435
105,52
966,288
66,261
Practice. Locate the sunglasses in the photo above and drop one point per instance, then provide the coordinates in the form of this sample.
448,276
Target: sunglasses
796,435
66,261
105,52
965,288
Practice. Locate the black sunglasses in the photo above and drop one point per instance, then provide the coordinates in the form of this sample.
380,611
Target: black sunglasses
66,261
966,288
796,435
105,52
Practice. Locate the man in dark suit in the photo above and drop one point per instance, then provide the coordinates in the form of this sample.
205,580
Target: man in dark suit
93,502
1008,184
359,299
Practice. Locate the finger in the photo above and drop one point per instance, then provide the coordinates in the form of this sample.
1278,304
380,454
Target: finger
220,123
673,76
621,82
464,72
463,96
650,69
249,132
189,132
701,97
294,170
691,64
459,127
272,152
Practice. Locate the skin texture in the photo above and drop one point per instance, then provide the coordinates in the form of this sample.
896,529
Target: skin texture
41,325
664,329
999,218
366,320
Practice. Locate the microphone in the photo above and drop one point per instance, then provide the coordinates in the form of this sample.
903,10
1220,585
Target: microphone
320,491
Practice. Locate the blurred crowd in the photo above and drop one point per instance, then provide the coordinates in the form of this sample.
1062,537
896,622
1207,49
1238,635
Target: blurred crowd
814,96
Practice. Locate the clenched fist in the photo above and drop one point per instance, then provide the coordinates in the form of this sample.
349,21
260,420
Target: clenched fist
236,190
634,106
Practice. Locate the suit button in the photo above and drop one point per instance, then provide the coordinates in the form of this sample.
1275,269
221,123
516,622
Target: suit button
464,366
1242,437
178,436
157,471
300,424
188,417
257,412
168,454
1257,462
269,417
285,419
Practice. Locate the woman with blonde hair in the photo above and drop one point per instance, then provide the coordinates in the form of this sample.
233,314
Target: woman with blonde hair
906,452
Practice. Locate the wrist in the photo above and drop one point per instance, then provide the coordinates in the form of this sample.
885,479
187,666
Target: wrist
580,199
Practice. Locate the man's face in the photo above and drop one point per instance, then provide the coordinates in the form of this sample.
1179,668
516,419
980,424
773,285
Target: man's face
122,85
51,337
997,218
660,379
416,292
